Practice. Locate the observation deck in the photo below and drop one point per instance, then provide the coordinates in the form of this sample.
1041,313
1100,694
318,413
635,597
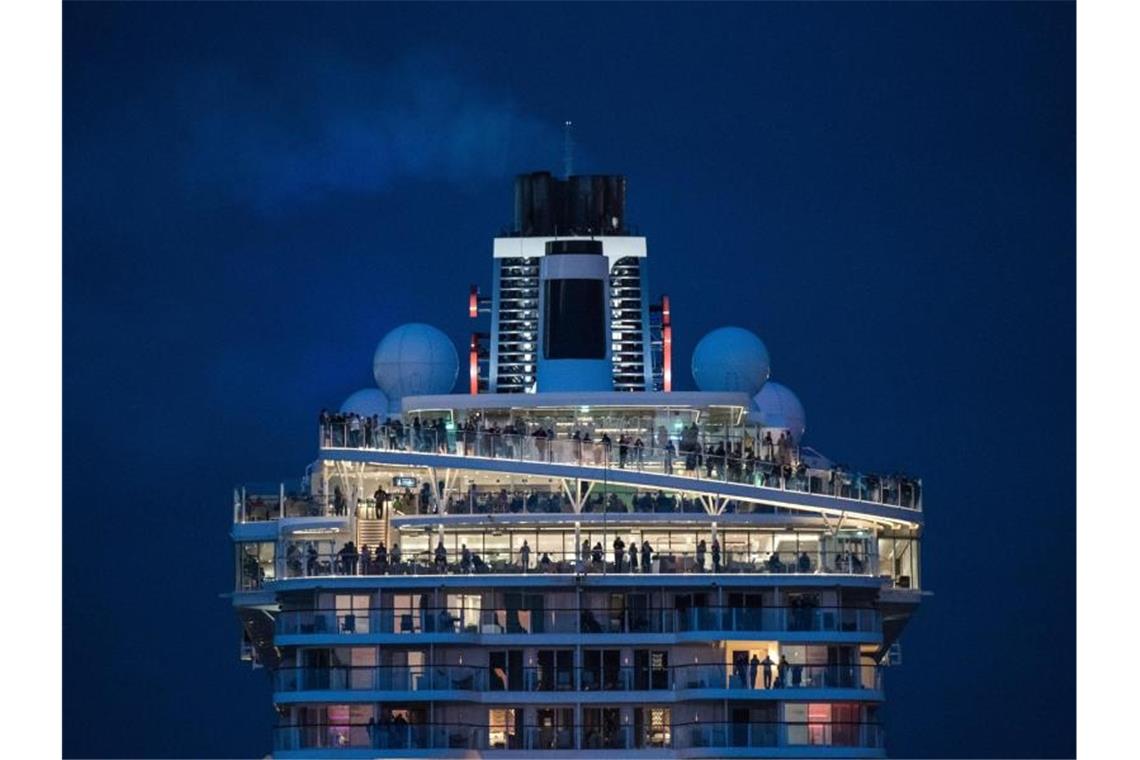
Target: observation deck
832,492
516,505
699,444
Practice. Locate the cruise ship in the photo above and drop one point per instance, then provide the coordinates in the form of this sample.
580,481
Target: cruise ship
569,557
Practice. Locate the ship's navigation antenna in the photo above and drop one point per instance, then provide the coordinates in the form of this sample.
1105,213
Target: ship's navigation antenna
568,148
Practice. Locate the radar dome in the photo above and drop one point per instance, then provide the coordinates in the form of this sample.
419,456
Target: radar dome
366,402
778,407
731,359
415,360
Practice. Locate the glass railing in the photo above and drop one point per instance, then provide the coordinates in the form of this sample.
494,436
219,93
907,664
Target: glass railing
587,621
382,678
253,576
262,502
774,675
743,678
791,619
509,503
427,620
399,735
787,734
766,468
301,563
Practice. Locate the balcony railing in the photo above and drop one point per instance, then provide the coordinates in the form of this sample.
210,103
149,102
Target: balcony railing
763,469
380,678
745,679
390,620
260,503
531,738
301,563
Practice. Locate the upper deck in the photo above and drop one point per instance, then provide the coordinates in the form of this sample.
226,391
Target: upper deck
703,444
490,473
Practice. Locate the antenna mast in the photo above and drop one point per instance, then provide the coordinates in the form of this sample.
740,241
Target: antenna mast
568,148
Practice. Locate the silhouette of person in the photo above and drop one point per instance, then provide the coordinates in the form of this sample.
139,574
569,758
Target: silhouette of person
767,664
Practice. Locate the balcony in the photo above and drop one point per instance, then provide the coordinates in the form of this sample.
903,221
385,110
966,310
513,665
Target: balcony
695,681
403,679
729,622
789,739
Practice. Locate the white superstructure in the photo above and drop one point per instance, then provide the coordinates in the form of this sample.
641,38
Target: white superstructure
572,558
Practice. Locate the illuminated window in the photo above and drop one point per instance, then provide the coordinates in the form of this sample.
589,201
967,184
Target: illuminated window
823,723
502,728
346,725
464,611
255,564
654,726
659,727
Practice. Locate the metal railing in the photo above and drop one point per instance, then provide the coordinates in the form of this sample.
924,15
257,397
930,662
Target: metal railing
381,678
745,678
764,468
588,621
300,562
401,735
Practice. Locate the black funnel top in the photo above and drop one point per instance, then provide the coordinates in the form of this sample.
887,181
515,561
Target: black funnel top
586,204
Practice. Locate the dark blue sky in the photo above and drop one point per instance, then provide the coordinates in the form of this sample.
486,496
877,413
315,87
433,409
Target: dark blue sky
254,194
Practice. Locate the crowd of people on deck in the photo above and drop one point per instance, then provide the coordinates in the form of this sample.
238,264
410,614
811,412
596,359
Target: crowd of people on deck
517,501
348,560
508,502
772,460
635,557
352,430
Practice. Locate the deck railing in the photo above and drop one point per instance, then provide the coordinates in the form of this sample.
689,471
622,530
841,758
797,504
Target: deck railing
381,678
401,735
302,563
442,620
765,469
744,678
261,502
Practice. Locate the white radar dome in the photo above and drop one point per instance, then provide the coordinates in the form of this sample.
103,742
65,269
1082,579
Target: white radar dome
731,359
415,360
778,407
366,402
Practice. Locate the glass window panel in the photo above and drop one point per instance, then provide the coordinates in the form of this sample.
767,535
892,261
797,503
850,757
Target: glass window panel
551,542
